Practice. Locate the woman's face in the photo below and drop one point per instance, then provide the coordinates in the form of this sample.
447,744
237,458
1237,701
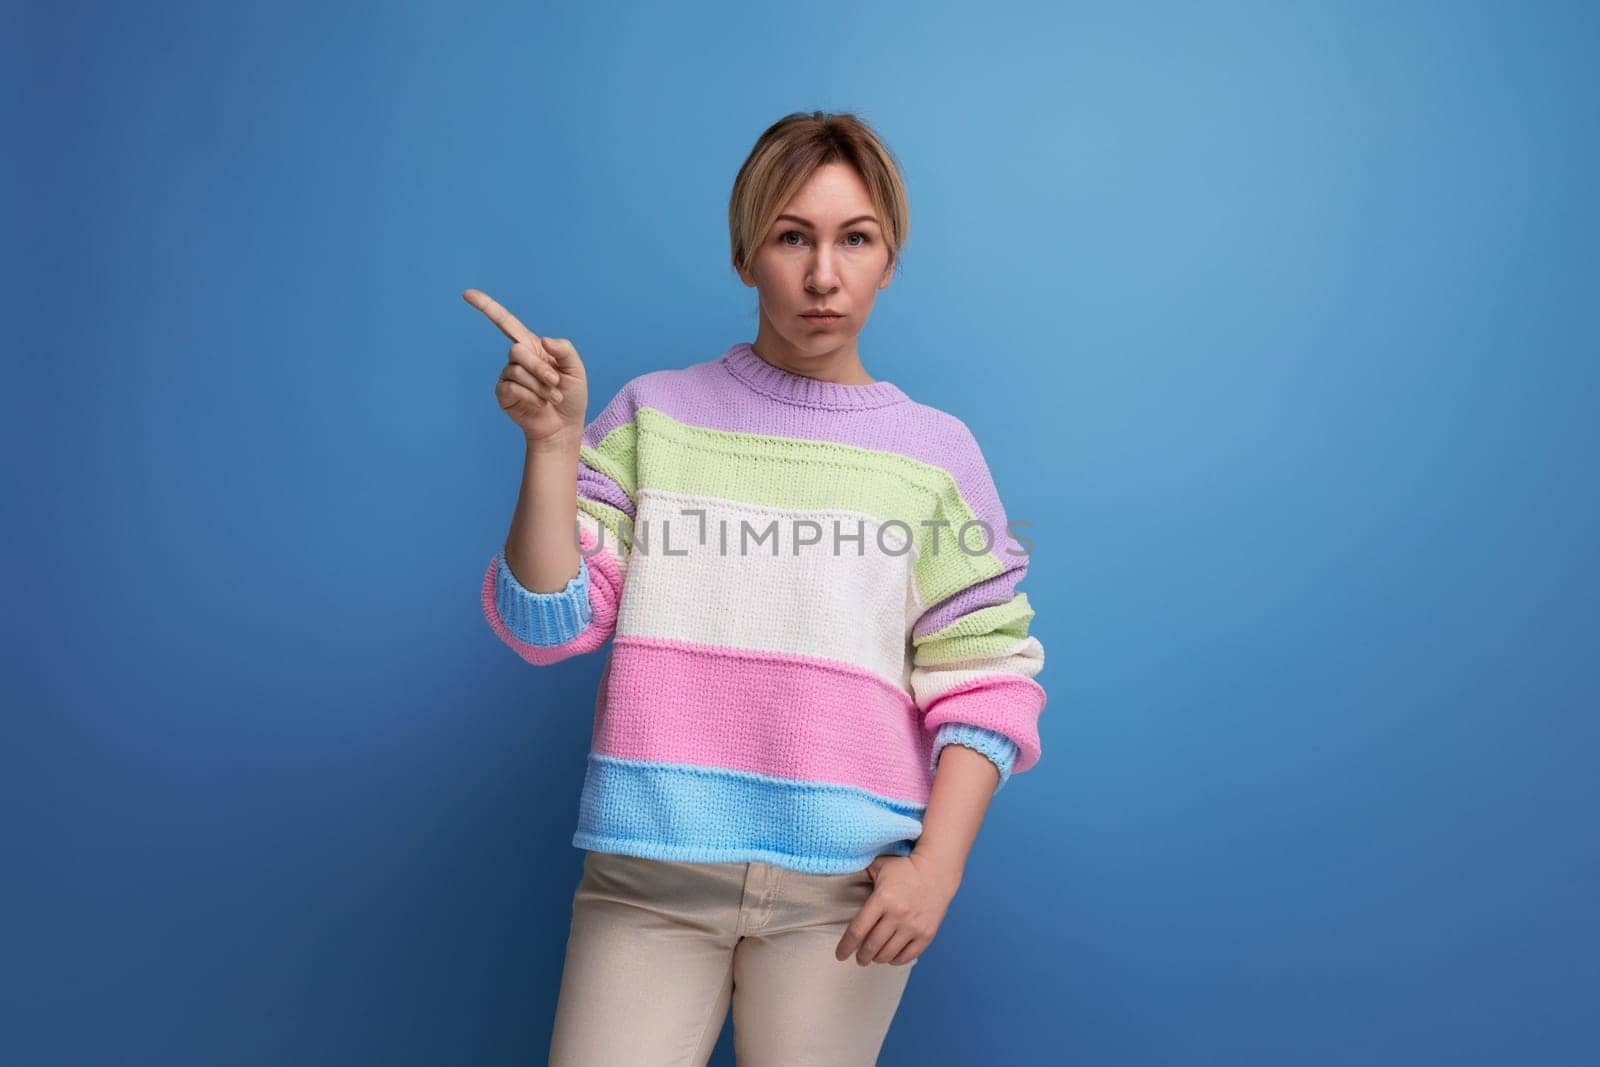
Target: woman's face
825,251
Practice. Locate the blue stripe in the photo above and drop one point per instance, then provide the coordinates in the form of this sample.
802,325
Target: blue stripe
677,811
543,619
1001,750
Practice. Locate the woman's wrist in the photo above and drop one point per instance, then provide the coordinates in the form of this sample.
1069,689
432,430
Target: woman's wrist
945,869
566,445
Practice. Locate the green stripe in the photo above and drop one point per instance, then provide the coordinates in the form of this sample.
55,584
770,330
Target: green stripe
986,632
800,474
617,525
614,458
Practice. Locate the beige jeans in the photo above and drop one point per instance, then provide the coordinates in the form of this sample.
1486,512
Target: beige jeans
659,949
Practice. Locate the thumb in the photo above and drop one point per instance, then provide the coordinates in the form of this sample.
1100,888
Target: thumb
563,352
875,867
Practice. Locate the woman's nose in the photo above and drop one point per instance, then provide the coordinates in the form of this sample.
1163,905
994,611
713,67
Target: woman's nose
822,275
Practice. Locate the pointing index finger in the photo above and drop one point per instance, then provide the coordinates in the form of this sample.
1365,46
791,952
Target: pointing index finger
508,323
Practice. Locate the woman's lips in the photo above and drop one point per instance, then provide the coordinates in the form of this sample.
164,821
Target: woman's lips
822,320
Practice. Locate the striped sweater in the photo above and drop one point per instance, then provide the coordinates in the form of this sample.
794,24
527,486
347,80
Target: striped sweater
812,589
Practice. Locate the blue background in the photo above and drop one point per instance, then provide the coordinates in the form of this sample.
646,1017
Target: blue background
1277,321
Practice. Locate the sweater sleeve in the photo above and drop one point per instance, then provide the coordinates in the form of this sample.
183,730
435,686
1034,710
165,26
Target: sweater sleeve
545,628
973,659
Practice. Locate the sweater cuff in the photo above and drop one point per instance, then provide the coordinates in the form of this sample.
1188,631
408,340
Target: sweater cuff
542,619
1001,750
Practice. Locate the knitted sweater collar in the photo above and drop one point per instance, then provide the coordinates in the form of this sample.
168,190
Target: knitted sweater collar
791,388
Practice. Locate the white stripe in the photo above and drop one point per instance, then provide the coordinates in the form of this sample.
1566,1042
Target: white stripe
606,541
932,682
854,605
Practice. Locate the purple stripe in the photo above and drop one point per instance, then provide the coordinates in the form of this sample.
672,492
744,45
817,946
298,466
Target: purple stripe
986,594
592,485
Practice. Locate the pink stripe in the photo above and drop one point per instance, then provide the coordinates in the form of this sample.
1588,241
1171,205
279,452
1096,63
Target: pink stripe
780,714
605,586
1004,702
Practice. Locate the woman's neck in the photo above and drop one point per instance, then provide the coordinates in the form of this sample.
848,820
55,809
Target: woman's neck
842,366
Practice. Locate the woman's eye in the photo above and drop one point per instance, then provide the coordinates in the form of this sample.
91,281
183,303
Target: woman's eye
783,238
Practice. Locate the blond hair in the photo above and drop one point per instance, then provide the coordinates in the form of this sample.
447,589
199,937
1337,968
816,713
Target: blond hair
785,156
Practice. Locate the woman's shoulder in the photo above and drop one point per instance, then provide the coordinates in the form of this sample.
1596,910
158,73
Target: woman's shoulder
664,387
944,430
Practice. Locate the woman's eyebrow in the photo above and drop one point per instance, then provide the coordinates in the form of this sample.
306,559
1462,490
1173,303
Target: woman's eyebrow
847,222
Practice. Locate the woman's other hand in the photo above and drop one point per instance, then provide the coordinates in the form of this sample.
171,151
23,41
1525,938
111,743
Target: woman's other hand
542,387
909,899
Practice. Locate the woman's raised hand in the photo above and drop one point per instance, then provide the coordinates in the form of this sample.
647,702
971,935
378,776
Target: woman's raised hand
542,387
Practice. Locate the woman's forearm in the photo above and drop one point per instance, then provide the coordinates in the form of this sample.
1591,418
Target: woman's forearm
963,785
541,549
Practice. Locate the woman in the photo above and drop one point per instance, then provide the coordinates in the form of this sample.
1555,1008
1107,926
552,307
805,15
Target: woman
795,742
